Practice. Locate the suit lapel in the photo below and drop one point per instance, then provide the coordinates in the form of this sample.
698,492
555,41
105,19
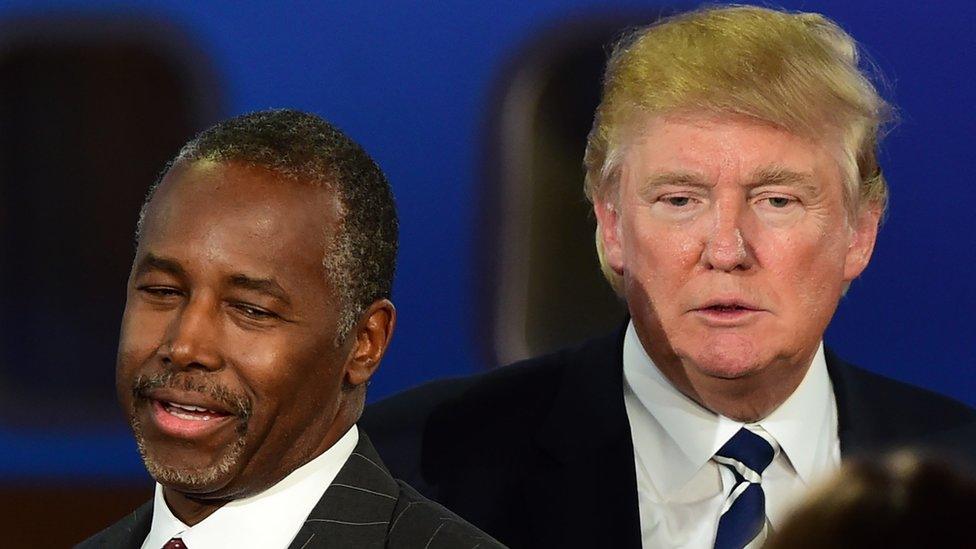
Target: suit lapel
584,488
356,509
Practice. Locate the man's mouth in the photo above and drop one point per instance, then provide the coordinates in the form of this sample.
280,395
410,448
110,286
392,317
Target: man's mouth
190,412
187,407
187,421
728,304
727,312
727,309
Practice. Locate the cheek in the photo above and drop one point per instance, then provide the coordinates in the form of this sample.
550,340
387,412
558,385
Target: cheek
264,359
284,370
139,337
134,350
808,269
660,258
267,368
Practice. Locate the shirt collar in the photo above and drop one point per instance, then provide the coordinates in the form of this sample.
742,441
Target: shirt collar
805,424
697,433
271,518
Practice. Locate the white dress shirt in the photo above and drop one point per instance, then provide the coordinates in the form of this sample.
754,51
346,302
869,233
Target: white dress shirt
268,520
680,489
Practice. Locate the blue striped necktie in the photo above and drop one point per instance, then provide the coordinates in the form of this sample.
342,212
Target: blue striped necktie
743,519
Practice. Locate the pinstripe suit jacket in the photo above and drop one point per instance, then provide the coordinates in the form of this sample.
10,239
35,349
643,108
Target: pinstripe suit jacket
364,507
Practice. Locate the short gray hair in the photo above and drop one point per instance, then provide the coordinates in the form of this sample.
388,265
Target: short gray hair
361,257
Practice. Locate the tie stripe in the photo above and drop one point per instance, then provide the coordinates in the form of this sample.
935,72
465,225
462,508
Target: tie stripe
736,492
741,471
743,519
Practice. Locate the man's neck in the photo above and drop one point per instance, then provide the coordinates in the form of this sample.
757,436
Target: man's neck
748,399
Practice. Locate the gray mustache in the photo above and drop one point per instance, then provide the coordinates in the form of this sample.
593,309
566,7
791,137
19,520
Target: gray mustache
237,403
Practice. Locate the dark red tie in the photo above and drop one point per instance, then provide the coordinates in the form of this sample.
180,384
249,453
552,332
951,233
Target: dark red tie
175,543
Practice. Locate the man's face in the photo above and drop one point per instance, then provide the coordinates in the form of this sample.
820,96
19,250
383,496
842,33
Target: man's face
227,364
734,244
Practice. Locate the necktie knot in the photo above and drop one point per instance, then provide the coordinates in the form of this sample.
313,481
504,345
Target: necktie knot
747,449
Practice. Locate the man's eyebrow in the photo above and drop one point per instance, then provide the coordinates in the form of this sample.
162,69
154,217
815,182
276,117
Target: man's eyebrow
263,285
153,262
781,176
687,179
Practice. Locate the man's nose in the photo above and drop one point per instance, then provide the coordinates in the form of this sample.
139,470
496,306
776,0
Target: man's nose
193,337
727,247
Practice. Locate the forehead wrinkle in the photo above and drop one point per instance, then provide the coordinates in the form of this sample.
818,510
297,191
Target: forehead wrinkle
151,261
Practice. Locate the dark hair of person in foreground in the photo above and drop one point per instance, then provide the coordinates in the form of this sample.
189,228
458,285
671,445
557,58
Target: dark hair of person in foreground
905,500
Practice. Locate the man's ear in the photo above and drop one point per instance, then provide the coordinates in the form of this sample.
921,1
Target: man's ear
864,234
608,235
372,337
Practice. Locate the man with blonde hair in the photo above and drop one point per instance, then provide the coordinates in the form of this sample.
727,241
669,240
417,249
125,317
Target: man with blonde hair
733,172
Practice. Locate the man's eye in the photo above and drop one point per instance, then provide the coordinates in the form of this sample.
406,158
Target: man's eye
253,312
159,291
780,201
678,201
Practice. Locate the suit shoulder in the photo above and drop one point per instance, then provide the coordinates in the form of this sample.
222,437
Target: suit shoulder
439,418
131,531
879,413
428,395
429,431
930,409
419,522
516,390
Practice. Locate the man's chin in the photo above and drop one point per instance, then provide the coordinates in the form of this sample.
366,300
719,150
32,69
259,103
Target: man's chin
188,480
728,358
193,473
729,371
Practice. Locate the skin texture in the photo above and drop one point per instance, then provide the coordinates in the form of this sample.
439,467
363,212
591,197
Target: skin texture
733,212
229,308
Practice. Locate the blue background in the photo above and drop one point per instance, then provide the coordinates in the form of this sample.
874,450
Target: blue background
411,81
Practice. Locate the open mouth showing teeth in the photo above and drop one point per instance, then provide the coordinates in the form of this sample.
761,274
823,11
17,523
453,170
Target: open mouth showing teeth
193,413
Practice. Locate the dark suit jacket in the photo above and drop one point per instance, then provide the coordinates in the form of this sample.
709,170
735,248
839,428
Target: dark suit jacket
364,507
539,454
